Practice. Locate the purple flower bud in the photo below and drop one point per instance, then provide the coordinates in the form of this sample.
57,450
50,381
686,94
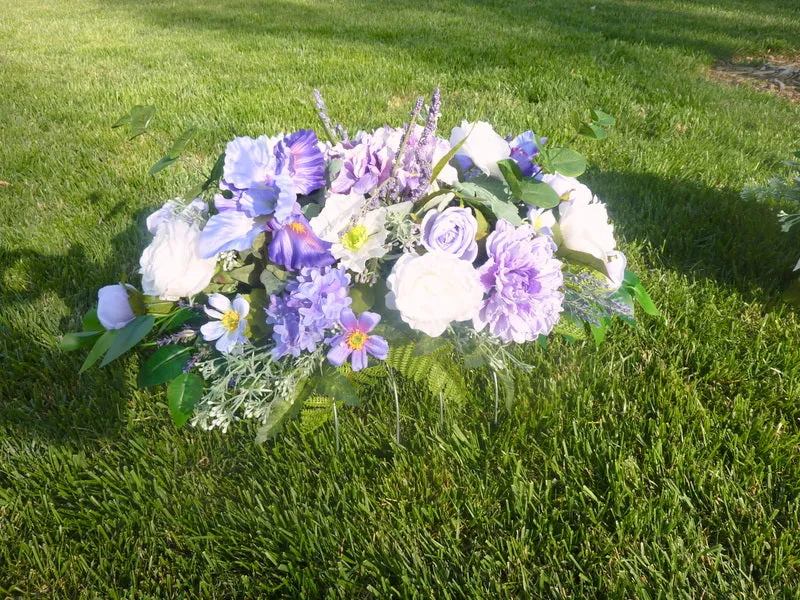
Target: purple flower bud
453,231
113,307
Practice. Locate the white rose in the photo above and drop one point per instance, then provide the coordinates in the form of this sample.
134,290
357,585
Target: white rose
433,290
584,227
569,188
484,147
113,307
615,265
171,267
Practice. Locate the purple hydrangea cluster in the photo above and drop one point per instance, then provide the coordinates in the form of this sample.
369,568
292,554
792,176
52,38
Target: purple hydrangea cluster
310,306
522,280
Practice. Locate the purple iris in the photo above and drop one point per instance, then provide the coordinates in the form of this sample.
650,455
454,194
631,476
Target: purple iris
295,245
356,341
305,161
523,281
523,149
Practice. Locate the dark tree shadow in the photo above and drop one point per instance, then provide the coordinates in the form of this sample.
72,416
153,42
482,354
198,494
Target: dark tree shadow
42,394
703,232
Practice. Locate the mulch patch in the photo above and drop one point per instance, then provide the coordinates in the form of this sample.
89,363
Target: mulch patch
779,75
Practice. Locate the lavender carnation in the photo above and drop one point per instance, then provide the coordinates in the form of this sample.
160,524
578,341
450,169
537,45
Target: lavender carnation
310,306
523,281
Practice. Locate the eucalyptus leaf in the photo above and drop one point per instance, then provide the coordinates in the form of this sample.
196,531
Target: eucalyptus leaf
602,118
164,364
592,131
337,386
183,394
128,337
538,193
140,119
179,145
567,161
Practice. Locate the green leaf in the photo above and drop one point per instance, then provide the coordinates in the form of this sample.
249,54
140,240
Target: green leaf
140,119
74,341
542,340
100,347
538,193
273,283
509,387
91,322
183,394
447,157
598,332
475,360
311,210
604,119
334,384
506,211
644,300
485,191
152,305
583,258
128,337
162,164
176,319
592,131
165,364
179,145
278,410
427,344
570,328
332,169
216,172
363,297
567,161
512,174
122,121
244,274
257,327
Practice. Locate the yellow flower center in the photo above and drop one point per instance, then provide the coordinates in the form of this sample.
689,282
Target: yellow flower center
355,237
356,340
297,227
230,320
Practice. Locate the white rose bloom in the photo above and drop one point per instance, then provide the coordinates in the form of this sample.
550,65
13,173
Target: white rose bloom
569,188
171,267
484,147
615,265
113,307
584,227
433,290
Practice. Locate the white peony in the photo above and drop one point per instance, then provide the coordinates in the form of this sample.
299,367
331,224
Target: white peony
171,267
484,147
433,290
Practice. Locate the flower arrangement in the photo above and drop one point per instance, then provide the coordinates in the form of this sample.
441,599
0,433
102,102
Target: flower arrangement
304,269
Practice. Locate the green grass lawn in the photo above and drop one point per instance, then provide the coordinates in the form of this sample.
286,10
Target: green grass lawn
665,464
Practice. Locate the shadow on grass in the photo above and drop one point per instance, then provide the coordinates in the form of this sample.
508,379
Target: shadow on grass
703,232
42,394
511,32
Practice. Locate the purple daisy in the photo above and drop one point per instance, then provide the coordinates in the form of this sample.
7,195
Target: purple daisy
356,341
523,281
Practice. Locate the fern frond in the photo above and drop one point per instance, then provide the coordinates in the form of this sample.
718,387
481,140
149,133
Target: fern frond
438,371
317,410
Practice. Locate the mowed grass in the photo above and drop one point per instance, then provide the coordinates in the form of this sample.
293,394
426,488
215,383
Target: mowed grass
663,465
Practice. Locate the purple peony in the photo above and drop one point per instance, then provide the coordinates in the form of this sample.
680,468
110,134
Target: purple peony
453,231
308,308
523,281
367,162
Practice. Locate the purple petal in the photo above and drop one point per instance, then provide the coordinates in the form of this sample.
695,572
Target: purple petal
229,230
368,320
348,319
306,162
338,354
359,359
377,347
